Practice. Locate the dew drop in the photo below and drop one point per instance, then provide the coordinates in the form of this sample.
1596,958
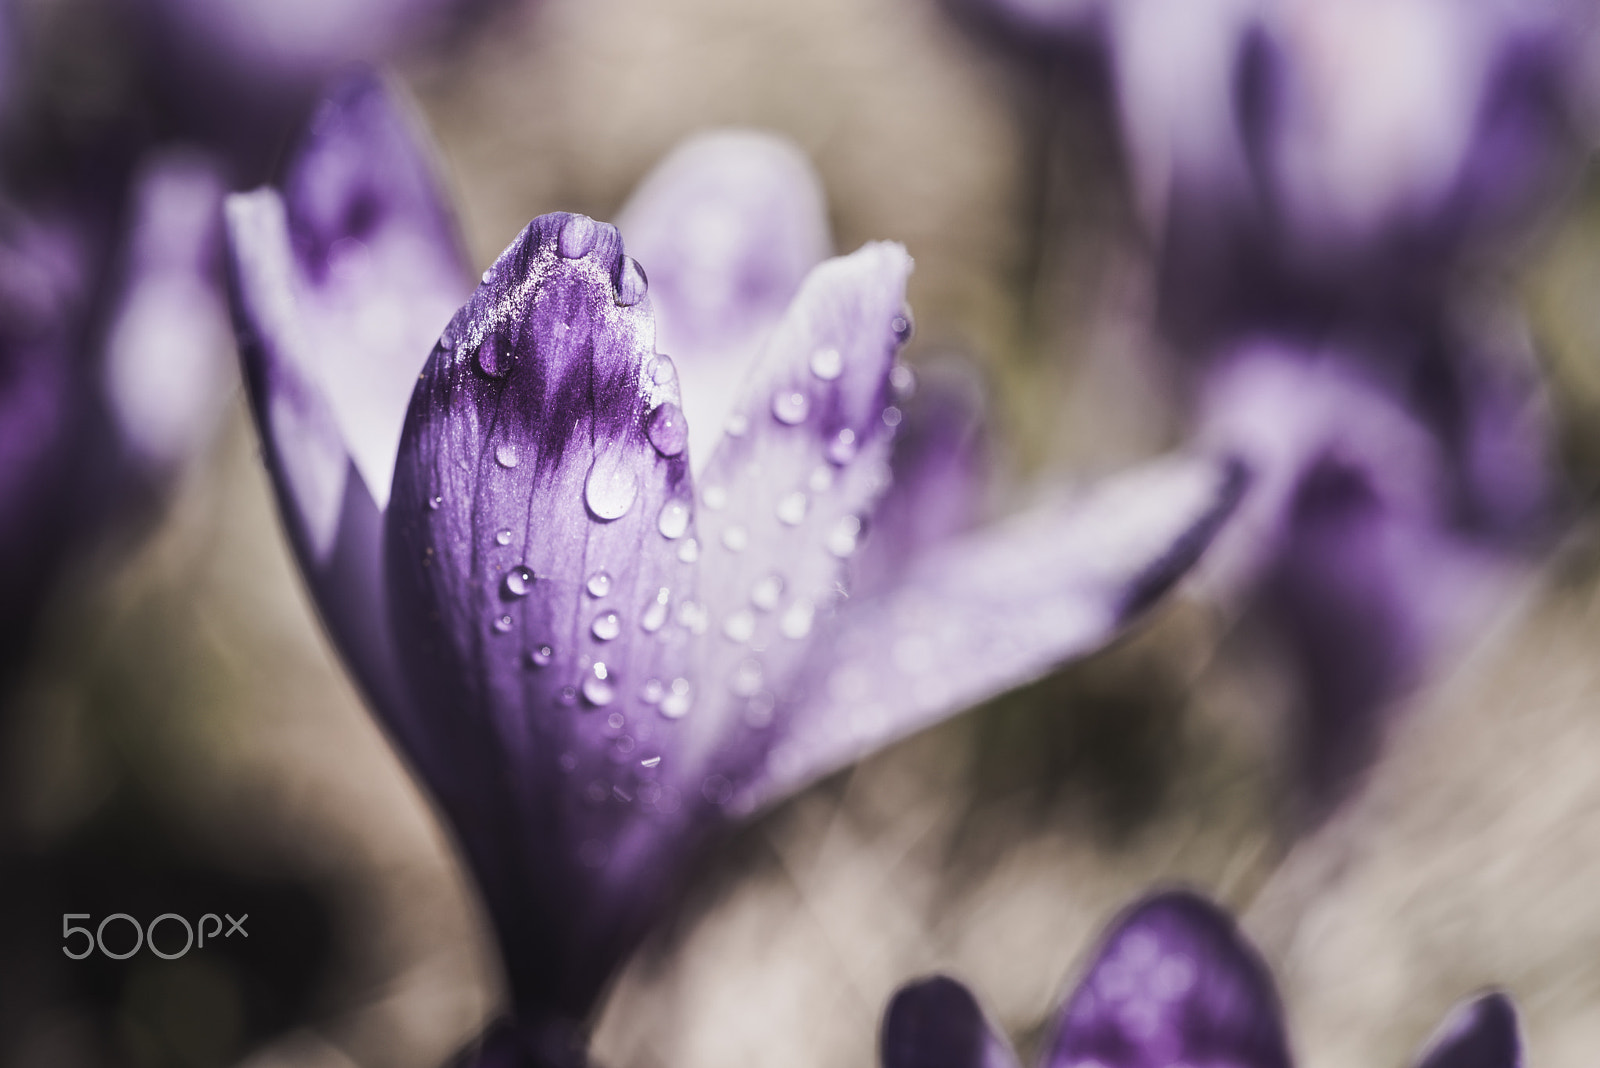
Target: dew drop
902,326
611,485
765,593
578,236
656,615
792,509
650,762
693,616
668,432
651,692
541,656
790,406
827,364
891,417
675,703
492,360
740,626
447,342
796,622
842,449
662,370
631,282
715,498
903,380
502,537
615,721
487,275
518,582
502,624
434,503
597,690
606,626
674,520
737,425
844,535
506,456
734,539
599,584
689,552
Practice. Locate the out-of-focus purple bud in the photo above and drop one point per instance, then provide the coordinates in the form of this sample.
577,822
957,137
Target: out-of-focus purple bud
169,335
937,1023
1173,982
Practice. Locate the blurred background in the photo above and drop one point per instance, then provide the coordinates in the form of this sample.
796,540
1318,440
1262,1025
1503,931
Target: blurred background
178,735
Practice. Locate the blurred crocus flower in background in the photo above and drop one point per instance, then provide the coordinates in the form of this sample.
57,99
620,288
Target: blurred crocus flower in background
1173,982
596,646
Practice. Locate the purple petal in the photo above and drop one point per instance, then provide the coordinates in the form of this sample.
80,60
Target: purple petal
1173,983
164,372
1481,1033
541,611
936,1023
785,500
729,225
995,609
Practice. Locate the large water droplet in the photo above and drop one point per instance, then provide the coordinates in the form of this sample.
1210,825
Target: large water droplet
611,485
506,456
740,626
541,656
578,236
796,622
599,584
488,274
790,406
734,539
596,689
689,552
662,370
902,380
792,508
765,593
675,703
447,342
502,537
674,519
827,364
842,449
668,431
737,425
502,624
606,626
631,282
493,359
518,582
843,537
656,614
714,497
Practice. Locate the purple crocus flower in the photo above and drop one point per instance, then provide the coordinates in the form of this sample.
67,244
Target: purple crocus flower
596,647
1173,982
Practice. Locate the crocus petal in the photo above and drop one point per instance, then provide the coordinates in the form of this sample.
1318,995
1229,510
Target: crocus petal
1481,1033
729,223
785,499
169,335
937,1023
995,609
1174,983
540,608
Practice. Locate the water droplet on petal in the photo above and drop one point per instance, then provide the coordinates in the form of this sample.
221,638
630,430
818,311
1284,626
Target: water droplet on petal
502,537
842,449
663,370
541,656
715,498
765,593
447,342
902,380
796,622
597,690
734,539
599,584
656,615
502,624
790,406
693,616
615,721
902,326
611,485
740,626
827,364
518,582
487,275
844,535
674,520
792,509
737,425
506,456
631,282
606,626
649,762
492,360
891,417
434,503
578,236
676,702
746,680
689,552
651,692
668,431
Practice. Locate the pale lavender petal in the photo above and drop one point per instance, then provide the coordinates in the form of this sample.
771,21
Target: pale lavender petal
540,608
995,609
729,224
1174,983
937,1023
1481,1033
784,502
165,358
